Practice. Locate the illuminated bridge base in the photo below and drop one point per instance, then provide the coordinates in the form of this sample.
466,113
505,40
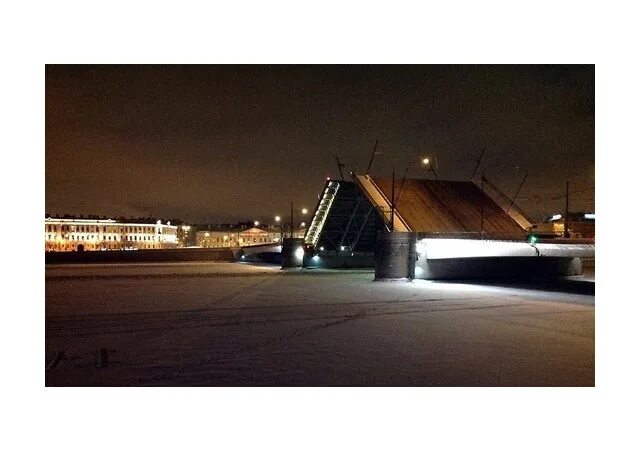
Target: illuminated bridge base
441,258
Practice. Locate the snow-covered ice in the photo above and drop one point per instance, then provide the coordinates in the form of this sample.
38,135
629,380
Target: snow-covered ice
220,324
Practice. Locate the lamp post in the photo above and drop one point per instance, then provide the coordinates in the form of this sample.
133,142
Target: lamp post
303,211
394,198
431,163
278,222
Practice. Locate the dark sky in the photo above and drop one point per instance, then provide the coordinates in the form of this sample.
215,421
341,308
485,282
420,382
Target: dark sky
226,143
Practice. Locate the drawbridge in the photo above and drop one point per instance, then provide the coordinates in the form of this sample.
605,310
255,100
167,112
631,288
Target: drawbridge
459,227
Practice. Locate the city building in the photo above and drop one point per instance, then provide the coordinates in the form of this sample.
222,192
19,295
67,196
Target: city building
580,225
240,235
72,234
186,236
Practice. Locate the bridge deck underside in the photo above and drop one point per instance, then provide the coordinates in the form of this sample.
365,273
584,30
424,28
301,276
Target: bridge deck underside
454,208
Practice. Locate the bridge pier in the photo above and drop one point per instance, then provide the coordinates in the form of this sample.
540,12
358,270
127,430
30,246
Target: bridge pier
292,252
400,255
395,255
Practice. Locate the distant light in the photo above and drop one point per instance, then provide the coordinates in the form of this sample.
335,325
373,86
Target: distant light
590,216
302,224
315,257
277,218
342,248
304,210
533,239
256,223
425,161
556,217
242,257
299,253
328,178
321,249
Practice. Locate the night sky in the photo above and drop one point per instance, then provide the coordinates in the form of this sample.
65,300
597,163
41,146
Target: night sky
227,143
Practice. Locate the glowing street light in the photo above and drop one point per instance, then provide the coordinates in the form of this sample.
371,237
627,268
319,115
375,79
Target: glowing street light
256,223
304,210
394,198
278,221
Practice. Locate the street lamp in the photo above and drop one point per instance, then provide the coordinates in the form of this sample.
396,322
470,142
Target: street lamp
394,199
431,163
278,222
256,223
303,211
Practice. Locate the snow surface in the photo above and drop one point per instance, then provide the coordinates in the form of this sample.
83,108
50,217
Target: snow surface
218,324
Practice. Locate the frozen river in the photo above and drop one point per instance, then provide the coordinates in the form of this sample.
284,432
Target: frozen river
221,324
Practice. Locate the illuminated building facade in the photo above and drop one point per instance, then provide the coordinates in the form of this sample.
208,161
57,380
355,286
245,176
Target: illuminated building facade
580,225
64,235
186,236
238,237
